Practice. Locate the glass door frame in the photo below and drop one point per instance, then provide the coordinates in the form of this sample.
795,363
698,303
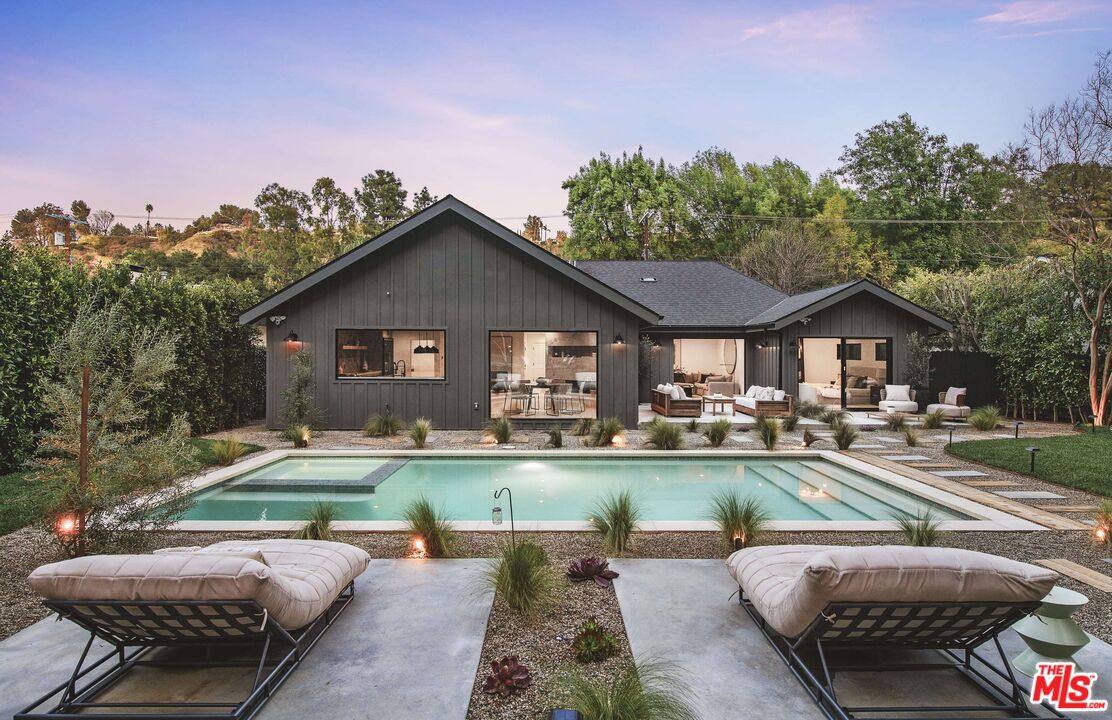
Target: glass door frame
842,342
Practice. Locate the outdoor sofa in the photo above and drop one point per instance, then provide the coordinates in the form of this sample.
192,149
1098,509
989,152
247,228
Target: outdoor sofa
766,401
831,609
672,401
951,403
268,601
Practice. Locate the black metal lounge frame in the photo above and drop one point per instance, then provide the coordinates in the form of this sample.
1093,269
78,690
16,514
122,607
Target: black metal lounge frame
136,628
955,630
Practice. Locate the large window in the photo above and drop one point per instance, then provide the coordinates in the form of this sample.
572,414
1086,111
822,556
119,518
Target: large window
391,354
545,375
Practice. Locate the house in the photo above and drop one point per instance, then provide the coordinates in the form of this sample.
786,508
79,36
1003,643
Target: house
452,316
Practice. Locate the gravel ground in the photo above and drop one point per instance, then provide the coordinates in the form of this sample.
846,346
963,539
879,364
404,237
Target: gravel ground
543,642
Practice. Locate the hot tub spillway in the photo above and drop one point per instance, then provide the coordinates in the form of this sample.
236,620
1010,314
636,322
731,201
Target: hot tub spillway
364,484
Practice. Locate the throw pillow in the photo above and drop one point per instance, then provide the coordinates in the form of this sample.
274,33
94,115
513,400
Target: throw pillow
779,395
677,393
766,393
898,393
952,395
752,391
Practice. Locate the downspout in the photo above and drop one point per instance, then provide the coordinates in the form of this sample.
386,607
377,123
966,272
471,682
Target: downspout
780,362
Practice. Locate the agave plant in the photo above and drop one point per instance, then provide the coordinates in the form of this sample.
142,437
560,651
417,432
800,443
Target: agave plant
593,642
506,676
717,432
592,568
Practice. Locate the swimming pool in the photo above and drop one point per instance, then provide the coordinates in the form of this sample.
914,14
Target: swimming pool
558,491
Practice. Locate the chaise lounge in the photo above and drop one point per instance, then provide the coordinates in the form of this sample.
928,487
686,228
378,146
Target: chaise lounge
272,599
828,609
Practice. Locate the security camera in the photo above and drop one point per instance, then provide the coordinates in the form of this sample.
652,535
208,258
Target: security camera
277,319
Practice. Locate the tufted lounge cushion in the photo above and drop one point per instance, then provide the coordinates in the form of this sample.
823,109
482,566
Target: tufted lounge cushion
790,585
297,582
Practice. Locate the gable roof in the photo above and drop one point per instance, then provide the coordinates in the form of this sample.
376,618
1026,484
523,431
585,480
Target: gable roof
799,306
690,293
448,204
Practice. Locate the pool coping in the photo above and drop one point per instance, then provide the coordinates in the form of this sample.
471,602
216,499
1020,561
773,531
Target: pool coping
985,518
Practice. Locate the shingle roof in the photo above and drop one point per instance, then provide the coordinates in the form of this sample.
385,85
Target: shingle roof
794,303
690,293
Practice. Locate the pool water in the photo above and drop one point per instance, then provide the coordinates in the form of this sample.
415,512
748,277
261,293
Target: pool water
563,489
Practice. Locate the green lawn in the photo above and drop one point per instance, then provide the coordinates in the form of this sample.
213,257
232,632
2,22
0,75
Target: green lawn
23,499
1082,461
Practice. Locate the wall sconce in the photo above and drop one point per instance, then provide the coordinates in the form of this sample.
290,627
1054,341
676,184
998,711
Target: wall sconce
291,338
618,340
793,345
761,345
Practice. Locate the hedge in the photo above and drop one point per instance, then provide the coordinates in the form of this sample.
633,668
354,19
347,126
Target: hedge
220,381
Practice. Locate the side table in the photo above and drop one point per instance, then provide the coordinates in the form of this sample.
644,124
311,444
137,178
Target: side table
1050,633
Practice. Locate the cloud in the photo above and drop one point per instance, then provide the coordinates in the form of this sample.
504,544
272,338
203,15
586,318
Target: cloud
836,38
1035,12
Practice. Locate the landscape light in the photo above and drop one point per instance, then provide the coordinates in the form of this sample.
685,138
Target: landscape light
1032,451
66,525
1017,424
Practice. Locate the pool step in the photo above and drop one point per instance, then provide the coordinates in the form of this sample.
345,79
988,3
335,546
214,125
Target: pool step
368,482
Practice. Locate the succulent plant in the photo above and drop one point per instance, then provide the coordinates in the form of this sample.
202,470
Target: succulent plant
592,568
593,642
506,676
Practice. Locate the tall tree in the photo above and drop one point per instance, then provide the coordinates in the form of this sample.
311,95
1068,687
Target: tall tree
904,172
101,221
1068,153
283,208
620,208
787,257
381,201
422,199
333,207
80,210
852,255
35,227
534,229
149,208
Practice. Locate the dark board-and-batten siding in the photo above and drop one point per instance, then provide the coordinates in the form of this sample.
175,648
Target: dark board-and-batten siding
451,275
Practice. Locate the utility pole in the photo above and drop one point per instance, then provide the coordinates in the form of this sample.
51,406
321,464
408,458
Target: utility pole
645,234
67,240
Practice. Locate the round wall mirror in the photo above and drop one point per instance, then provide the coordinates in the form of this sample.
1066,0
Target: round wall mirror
729,356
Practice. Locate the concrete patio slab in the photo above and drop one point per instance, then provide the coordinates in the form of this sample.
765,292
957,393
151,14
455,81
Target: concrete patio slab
682,611
906,458
407,614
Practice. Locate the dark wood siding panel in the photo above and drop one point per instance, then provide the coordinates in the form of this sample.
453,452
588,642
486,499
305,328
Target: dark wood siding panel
454,276
859,316
762,364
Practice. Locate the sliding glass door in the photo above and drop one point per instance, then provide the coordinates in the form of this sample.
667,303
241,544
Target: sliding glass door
844,372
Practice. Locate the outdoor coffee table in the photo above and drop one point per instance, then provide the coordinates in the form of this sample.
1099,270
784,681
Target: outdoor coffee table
718,400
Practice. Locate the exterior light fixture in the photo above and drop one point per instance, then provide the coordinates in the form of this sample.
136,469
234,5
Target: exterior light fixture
433,348
496,513
1017,424
67,525
951,437
619,340
291,338
1032,451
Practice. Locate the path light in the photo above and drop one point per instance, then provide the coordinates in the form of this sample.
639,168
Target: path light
1032,450
1017,424
496,513
418,547
951,437
66,525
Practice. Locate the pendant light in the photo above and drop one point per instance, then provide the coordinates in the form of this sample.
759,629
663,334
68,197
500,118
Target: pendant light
433,348
420,349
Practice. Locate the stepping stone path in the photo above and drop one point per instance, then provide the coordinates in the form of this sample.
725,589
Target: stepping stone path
930,465
1070,509
957,473
1029,495
1079,573
741,438
859,446
905,458
890,440
989,483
